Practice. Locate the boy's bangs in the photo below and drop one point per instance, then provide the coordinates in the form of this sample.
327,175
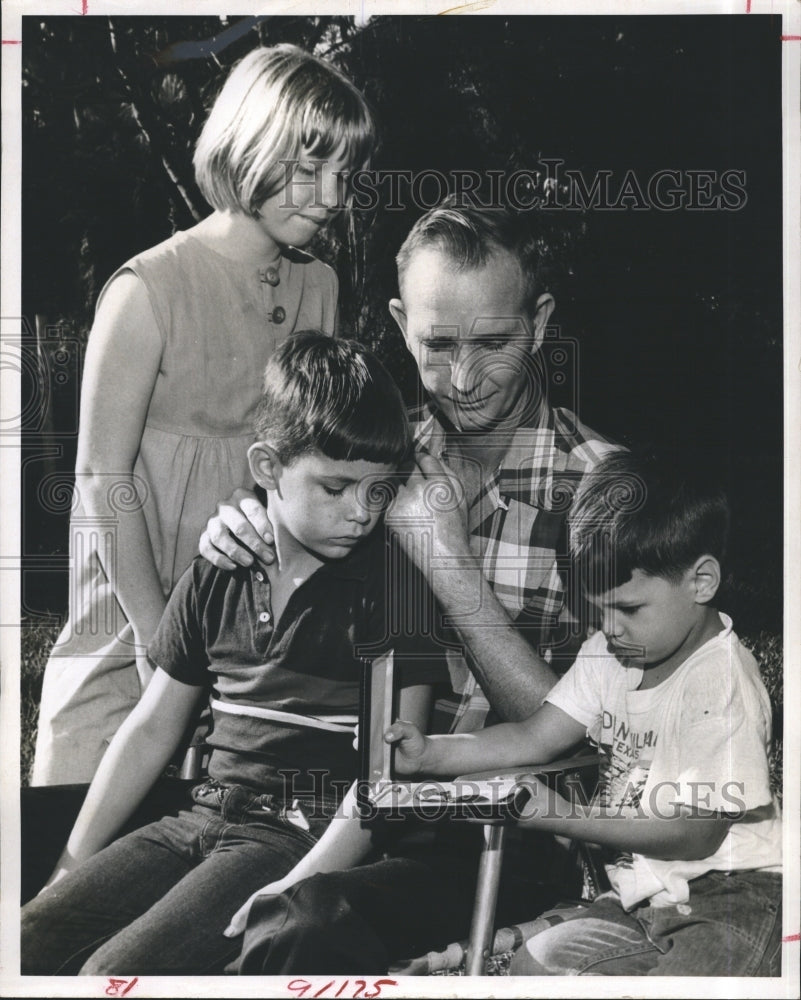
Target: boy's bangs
603,563
364,436
608,558
332,396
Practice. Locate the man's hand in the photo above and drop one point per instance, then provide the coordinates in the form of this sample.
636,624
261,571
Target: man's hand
411,747
431,503
240,918
240,524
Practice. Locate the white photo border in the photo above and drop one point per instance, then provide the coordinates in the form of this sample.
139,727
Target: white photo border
11,984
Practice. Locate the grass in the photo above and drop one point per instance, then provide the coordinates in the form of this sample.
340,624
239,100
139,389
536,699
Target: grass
36,641
767,648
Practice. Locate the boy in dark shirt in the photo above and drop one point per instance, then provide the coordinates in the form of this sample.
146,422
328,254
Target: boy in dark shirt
277,646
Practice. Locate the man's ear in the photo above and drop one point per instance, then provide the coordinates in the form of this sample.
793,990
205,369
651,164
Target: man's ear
265,465
543,308
705,578
399,315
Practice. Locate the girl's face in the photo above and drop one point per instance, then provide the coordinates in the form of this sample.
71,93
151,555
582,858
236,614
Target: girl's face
310,200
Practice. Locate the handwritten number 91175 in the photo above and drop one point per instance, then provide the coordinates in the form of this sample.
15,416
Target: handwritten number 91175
360,988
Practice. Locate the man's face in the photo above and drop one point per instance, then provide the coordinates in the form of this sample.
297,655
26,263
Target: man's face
472,337
648,619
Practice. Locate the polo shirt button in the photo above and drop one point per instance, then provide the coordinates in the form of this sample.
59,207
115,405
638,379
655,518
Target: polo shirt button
264,617
279,314
260,577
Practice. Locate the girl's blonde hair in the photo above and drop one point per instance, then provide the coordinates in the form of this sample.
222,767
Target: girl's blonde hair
277,103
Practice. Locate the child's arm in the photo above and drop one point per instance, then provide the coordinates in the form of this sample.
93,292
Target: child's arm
136,756
123,355
683,832
545,735
679,833
346,840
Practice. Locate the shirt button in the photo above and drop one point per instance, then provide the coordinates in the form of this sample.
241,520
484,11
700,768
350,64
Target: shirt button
260,577
279,315
269,276
264,617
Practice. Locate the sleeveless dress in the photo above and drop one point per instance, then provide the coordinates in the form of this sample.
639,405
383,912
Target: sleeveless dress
220,320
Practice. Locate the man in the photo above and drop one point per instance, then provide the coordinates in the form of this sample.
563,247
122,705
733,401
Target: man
473,312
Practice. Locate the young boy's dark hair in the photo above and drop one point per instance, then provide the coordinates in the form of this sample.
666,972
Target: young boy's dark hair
331,396
640,511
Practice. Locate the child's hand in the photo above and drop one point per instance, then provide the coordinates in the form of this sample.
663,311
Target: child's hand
411,747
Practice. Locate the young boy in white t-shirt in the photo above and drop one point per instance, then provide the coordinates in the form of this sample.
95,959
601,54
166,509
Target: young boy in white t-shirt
678,710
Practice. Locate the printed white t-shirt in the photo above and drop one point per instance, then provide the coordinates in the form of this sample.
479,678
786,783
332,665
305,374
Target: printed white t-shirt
699,739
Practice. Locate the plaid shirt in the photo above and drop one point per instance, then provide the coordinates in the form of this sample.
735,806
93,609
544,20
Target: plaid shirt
517,532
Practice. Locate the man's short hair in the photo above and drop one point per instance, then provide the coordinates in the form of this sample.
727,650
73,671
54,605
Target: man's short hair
333,396
471,234
637,511
276,104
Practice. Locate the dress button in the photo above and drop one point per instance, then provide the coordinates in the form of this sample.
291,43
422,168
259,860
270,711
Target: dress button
260,577
264,617
269,275
279,315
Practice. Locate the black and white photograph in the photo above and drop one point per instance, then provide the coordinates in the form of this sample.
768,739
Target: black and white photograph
400,499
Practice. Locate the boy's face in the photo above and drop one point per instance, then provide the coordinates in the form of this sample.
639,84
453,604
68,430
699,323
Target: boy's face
648,619
322,503
473,337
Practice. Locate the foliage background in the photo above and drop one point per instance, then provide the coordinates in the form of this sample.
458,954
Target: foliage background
676,316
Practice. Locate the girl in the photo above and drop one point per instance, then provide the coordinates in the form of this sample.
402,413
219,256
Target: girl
172,374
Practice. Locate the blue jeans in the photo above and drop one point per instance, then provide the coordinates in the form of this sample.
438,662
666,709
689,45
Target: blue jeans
731,926
157,900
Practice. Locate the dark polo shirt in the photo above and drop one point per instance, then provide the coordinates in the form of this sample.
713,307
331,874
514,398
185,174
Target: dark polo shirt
218,632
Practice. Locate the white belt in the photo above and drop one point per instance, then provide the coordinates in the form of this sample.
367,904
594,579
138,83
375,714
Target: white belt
333,723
